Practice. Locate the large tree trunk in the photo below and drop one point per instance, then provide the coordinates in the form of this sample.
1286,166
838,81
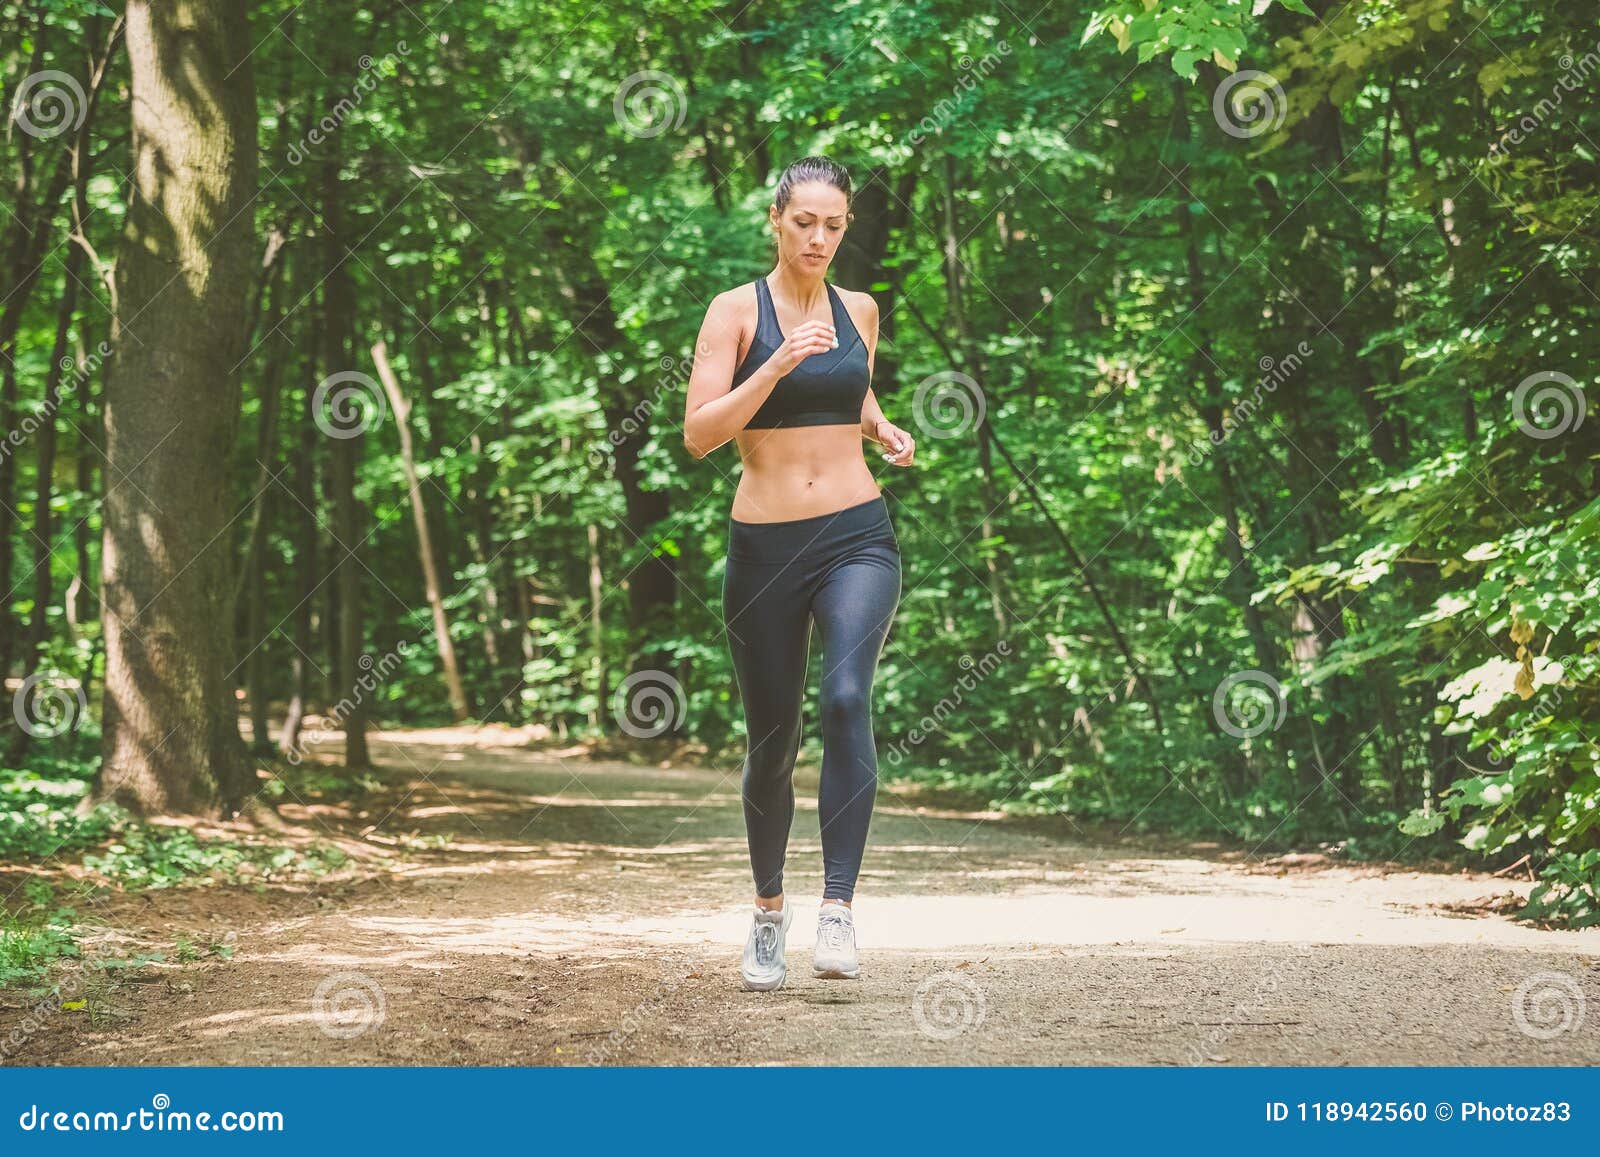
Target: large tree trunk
171,409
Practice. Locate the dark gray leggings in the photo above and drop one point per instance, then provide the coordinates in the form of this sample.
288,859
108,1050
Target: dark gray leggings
843,570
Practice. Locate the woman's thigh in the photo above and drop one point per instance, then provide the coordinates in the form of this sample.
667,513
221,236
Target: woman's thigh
767,623
854,608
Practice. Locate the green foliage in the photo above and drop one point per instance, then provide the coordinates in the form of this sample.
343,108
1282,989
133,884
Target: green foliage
1129,279
38,807
154,857
34,936
1187,32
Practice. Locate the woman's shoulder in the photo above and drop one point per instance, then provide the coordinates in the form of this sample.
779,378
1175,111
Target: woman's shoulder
742,294
863,308
738,302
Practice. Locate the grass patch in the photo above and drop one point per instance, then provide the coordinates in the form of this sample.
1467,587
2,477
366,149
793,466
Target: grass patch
34,936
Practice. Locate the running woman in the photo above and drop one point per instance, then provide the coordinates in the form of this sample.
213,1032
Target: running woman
784,368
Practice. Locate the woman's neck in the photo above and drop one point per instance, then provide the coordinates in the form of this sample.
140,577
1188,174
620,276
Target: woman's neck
798,286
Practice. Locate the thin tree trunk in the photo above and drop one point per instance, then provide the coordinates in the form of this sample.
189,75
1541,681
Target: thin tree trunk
596,635
957,312
460,709
302,631
339,311
80,601
252,580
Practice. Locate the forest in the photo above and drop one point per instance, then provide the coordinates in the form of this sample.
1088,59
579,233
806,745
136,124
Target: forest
1247,345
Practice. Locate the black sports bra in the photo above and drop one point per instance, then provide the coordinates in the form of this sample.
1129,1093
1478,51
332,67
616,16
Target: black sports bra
825,389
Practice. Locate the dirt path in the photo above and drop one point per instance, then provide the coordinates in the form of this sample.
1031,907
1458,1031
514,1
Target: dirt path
588,913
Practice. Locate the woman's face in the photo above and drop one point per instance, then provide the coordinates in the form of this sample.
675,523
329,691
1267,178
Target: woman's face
811,226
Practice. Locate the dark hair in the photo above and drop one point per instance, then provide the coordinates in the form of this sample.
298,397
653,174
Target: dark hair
808,169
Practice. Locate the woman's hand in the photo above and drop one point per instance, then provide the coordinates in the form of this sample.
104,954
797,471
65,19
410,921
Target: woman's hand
900,445
809,337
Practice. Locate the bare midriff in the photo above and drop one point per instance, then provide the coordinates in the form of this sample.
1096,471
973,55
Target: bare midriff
801,472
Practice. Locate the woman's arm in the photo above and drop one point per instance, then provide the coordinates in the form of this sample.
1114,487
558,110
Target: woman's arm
871,412
714,410
874,426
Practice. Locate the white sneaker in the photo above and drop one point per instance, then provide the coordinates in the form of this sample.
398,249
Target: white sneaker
763,968
835,957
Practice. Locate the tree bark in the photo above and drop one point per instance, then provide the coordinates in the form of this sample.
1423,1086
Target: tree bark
460,709
171,741
339,315
305,573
